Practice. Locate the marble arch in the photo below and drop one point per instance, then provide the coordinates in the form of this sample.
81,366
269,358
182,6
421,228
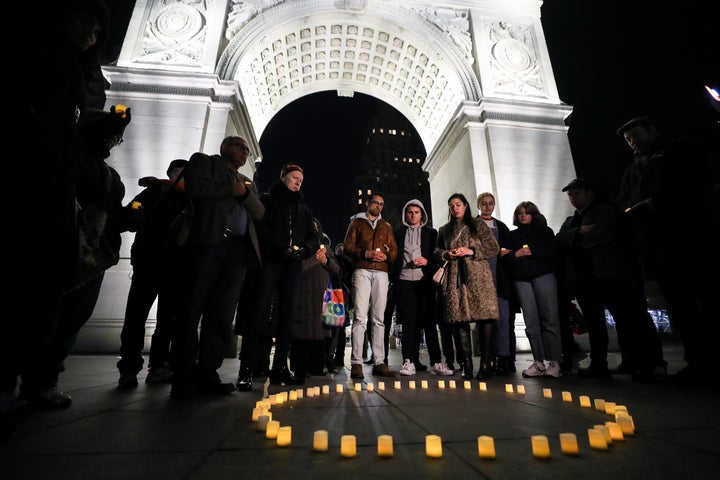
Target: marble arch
473,76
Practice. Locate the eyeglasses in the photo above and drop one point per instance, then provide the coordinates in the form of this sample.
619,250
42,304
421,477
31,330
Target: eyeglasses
375,202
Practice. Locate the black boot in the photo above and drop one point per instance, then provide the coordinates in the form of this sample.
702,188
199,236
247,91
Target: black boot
467,368
463,342
283,376
486,368
501,366
245,380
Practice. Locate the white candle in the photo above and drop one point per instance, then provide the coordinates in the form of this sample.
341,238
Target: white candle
257,411
358,387
441,383
509,388
292,395
423,384
467,385
605,431
521,389
599,404
348,447
339,388
310,392
483,386
540,446
610,408
486,446
411,384
397,385
284,437
433,446
370,387
299,393
316,390
381,385
320,440
597,439
325,389
262,422
569,444
567,397
272,429
385,446
584,401
451,383
615,431
547,393
626,424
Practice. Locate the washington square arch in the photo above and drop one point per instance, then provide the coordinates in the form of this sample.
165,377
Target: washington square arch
472,76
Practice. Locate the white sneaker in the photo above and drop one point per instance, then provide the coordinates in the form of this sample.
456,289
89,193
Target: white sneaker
440,369
408,368
553,370
537,369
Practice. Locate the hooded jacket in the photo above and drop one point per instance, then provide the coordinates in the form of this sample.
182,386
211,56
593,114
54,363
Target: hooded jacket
412,243
363,235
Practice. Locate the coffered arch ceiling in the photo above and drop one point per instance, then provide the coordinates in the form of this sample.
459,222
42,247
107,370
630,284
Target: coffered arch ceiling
389,52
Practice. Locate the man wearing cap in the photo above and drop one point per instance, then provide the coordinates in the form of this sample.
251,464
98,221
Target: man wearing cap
600,270
221,243
156,266
288,235
664,195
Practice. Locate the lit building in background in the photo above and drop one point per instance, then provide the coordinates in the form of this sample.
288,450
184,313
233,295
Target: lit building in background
392,164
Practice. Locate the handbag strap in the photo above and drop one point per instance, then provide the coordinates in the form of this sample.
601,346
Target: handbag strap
458,235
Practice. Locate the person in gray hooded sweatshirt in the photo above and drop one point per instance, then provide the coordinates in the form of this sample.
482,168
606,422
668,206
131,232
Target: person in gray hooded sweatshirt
412,274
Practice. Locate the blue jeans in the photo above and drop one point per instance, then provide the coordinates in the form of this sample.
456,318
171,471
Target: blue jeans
370,288
539,304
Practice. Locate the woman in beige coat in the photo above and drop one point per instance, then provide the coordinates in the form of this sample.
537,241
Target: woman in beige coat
467,243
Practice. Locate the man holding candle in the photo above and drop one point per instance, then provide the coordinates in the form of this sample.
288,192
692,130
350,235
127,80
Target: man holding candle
370,242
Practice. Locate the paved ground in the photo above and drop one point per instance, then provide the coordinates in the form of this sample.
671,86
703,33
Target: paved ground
111,434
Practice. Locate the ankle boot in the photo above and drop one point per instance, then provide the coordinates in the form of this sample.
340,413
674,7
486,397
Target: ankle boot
330,364
463,343
501,369
486,368
467,368
245,380
283,376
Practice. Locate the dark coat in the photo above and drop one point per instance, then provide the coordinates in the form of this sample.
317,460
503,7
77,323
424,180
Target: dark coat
307,324
160,203
209,184
600,253
545,251
288,222
475,299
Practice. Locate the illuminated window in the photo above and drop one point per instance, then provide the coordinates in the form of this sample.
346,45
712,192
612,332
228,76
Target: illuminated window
359,192
382,130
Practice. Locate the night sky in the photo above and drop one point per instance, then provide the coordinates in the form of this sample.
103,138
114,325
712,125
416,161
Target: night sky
612,60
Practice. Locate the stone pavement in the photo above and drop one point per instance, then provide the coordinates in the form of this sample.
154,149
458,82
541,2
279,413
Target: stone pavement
114,434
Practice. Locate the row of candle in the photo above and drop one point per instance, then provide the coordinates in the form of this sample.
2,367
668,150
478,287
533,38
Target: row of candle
600,436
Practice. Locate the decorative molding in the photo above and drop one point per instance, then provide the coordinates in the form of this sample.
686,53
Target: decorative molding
454,23
176,34
514,66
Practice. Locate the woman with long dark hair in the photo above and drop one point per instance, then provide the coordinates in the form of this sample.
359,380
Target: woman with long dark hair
466,243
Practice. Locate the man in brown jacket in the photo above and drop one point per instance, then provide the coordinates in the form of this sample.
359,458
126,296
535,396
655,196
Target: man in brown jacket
370,243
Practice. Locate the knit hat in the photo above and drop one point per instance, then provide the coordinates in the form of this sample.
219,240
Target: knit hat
290,167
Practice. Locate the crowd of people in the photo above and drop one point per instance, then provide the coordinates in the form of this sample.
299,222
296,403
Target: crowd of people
261,262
